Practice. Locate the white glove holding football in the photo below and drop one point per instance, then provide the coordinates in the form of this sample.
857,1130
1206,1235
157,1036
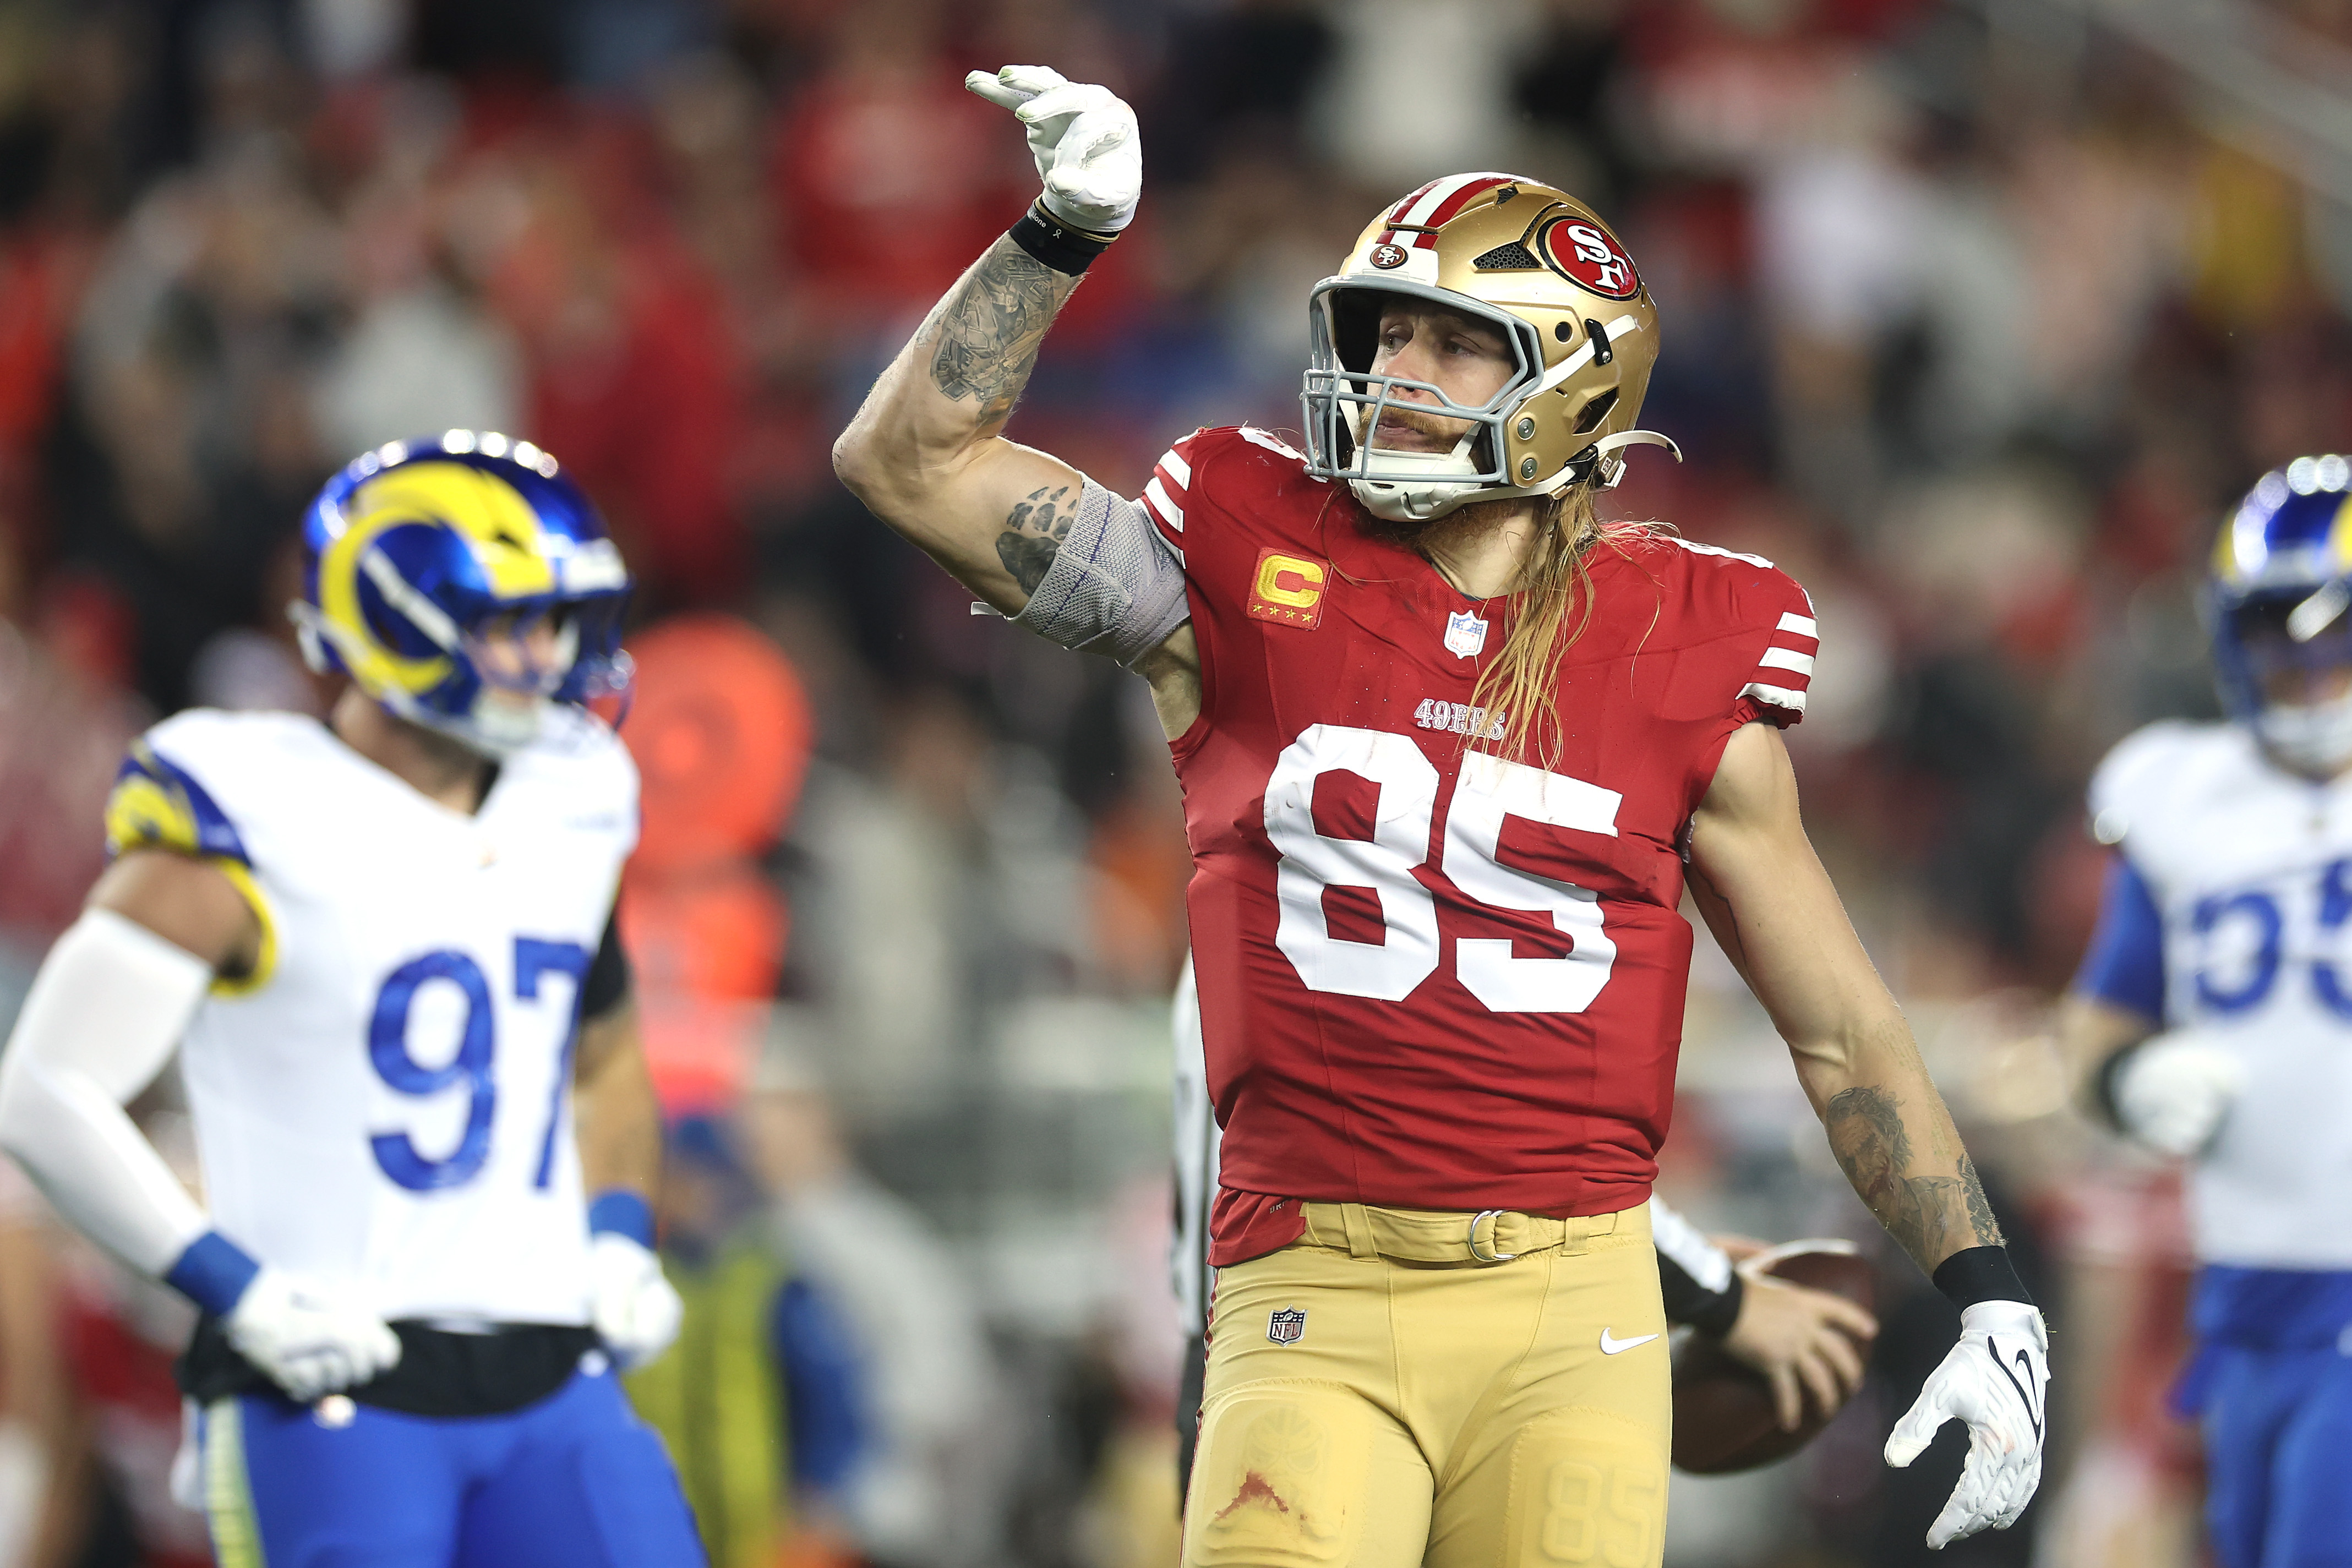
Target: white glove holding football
2172,1092
1088,150
637,1309
1997,1379
309,1338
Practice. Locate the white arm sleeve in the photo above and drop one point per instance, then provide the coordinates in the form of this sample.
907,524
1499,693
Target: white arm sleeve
104,1014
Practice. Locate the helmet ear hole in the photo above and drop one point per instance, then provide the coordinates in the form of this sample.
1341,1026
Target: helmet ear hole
1596,410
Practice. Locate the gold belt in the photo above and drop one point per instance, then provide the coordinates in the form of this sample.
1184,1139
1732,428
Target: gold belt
1425,1236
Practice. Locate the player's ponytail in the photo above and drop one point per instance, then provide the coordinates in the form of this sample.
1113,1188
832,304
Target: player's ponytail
1550,610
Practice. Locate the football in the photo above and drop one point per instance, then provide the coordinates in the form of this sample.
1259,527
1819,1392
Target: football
1724,1419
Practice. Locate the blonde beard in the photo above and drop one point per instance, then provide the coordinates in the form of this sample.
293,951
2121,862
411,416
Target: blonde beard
1448,534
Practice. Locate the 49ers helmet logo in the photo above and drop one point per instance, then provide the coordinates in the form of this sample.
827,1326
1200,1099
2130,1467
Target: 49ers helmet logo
1583,253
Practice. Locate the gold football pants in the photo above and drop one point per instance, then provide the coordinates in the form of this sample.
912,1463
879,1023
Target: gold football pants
1381,1397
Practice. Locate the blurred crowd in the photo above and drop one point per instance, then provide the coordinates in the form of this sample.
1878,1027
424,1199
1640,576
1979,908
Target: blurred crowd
1970,319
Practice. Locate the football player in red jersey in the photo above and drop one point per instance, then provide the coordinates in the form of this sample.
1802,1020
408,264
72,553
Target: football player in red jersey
1451,750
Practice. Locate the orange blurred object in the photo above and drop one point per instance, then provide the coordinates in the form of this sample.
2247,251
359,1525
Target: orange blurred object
707,946
716,932
720,729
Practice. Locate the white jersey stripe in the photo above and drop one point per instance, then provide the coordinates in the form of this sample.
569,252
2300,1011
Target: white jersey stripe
1696,548
1178,472
1155,495
1802,626
1779,696
1787,659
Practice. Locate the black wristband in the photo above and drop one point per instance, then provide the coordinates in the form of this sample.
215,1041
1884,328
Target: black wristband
1054,243
1689,1302
1977,1274
2102,1083
1721,1309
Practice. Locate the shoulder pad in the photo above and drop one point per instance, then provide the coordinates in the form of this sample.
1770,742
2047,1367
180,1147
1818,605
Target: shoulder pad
2145,766
584,760
1715,550
168,792
196,784
1766,601
1272,443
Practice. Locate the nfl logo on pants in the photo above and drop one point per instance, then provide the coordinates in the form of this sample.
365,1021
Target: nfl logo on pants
1286,1326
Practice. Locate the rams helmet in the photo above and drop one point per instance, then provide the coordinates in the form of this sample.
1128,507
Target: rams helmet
2276,601
1540,265
420,549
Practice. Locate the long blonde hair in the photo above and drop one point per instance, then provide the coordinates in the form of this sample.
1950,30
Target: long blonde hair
1548,613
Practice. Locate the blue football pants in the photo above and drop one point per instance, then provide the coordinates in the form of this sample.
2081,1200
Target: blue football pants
2278,1457
575,1480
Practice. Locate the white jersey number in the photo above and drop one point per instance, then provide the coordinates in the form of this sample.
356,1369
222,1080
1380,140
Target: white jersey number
472,1066
1488,791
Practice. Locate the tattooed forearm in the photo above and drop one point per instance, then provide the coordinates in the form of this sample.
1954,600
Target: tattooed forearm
1032,532
984,336
1931,1216
1985,1229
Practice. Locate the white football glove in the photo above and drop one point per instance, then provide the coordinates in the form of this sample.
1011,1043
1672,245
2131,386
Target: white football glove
637,1311
309,1338
1089,151
1997,1379
2173,1092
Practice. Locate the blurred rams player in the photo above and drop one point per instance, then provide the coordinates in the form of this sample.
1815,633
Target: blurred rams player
2213,1013
381,946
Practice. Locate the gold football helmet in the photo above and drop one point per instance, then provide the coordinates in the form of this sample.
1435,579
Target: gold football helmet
1539,265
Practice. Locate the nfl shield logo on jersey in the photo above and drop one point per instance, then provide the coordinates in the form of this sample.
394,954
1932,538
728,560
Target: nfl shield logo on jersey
1287,1325
1466,635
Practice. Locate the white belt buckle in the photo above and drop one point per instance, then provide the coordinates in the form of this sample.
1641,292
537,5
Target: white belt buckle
1490,1255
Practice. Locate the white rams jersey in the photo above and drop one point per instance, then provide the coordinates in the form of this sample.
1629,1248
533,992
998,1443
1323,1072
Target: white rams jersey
2250,869
385,1102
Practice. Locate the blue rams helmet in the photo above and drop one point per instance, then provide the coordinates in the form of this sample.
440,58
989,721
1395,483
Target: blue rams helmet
2276,604
421,551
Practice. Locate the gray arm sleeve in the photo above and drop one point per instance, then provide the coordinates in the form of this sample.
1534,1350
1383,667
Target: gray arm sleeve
1114,588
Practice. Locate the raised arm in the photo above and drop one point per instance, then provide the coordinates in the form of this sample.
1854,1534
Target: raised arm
925,453
1768,901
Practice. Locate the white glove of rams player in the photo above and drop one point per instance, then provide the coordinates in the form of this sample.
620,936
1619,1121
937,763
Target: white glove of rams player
1997,1379
637,1312
309,1338
2172,1092
1089,151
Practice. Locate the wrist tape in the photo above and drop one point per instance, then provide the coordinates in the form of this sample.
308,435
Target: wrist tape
623,1213
1055,243
2103,1083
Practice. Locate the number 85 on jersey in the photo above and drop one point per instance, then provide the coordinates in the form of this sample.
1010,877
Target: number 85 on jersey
1488,790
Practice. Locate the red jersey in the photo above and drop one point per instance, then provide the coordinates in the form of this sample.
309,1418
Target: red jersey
1431,977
